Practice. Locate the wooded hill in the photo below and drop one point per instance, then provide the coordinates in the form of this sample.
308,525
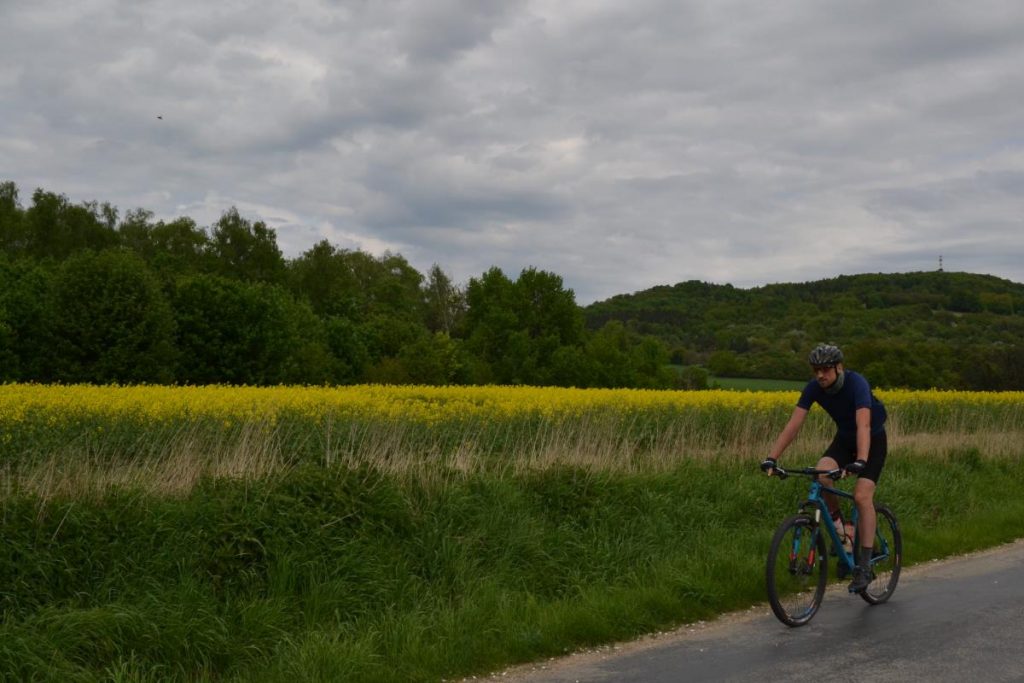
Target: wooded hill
924,329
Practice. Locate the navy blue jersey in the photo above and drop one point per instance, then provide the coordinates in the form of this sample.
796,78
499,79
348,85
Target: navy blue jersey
842,406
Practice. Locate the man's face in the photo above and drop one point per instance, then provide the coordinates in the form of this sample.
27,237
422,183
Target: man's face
826,375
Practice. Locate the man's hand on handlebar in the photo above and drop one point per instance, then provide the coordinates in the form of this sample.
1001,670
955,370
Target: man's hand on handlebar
856,467
768,466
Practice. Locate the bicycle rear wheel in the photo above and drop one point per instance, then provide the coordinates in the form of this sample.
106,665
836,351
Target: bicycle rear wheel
886,559
797,570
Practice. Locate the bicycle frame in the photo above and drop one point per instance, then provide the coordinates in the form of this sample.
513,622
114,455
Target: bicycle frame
816,500
823,518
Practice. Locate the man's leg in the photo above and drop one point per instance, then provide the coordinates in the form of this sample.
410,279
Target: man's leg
828,463
864,499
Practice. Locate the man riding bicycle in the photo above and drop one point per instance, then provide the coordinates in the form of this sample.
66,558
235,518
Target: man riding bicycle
859,445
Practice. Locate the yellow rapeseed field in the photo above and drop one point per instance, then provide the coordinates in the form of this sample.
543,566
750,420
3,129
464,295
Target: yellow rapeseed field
423,403
69,431
417,403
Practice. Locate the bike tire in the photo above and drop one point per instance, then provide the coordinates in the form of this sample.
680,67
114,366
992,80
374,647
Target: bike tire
888,539
796,580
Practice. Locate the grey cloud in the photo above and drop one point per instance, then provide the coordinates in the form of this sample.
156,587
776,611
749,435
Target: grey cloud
430,195
437,31
973,194
619,145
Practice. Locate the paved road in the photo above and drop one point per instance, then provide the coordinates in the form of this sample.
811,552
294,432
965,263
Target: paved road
956,620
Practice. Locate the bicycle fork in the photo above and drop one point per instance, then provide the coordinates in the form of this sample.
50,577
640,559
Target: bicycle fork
799,563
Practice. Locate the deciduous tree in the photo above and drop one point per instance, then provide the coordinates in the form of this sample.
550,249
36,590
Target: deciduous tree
112,322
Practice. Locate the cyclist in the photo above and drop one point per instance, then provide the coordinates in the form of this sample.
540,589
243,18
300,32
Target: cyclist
859,445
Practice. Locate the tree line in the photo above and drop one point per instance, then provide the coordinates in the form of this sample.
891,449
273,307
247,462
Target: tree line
918,330
90,295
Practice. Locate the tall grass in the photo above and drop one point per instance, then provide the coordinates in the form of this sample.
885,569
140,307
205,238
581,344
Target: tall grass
352,574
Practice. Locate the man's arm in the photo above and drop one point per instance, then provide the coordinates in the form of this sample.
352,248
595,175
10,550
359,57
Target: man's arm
789,432
863,433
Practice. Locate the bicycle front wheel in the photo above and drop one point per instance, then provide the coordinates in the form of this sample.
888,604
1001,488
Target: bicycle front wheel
797,570
886,559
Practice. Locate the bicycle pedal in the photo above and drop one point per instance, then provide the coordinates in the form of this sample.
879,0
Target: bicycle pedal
871,577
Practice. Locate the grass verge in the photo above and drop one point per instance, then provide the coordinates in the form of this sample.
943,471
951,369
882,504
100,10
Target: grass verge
354,574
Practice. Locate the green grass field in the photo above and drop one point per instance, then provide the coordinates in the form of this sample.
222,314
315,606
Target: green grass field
742,383
752,384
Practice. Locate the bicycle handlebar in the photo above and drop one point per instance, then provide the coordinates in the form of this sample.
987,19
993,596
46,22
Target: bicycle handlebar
834,475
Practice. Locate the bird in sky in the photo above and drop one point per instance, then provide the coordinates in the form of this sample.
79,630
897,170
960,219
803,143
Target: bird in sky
160,117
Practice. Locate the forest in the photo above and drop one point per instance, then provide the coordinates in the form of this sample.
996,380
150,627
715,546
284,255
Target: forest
88,295
91,295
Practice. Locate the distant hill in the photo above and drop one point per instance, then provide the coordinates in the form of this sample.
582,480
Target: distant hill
922,329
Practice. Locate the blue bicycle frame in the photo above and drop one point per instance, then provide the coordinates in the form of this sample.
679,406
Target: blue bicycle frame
816,501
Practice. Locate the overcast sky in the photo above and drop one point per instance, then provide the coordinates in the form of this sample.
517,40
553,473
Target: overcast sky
621,145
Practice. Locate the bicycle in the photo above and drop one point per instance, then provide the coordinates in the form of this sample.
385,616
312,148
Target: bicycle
797,568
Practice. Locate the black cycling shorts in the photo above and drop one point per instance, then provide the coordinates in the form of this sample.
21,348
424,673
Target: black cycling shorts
843,450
